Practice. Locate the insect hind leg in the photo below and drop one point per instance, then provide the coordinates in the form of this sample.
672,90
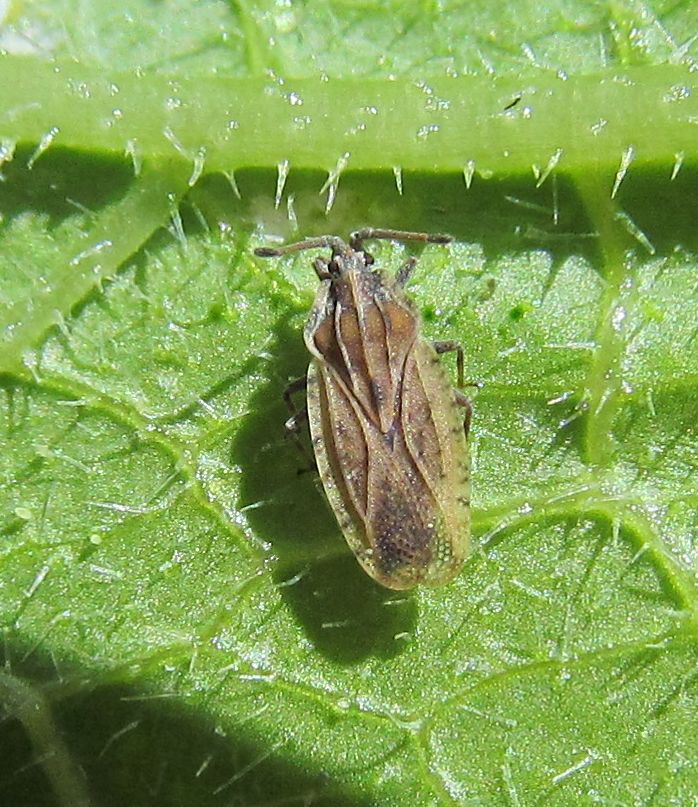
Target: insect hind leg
299,416
465,402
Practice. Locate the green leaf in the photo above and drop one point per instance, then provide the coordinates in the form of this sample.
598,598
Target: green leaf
182,621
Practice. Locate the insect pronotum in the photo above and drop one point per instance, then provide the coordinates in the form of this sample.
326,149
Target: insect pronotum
389,432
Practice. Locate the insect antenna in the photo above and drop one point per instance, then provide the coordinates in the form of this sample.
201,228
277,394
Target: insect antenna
333,241
396,235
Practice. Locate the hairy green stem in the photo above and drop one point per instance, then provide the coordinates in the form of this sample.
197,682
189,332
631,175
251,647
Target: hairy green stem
470,124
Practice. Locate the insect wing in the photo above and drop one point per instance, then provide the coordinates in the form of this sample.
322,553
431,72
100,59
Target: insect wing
436,442
400,494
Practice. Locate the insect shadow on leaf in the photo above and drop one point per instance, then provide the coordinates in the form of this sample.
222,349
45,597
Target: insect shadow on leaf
345,614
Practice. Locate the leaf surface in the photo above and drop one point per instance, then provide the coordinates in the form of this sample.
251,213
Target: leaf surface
182,621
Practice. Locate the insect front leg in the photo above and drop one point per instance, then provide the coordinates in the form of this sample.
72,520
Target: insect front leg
404,272
322,268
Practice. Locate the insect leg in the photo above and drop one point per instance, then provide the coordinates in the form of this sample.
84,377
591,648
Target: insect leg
461,398
294,424
322,268
292,387
298,415
448,347
404,272
464,401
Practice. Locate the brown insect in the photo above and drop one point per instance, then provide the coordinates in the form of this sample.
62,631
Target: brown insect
387,428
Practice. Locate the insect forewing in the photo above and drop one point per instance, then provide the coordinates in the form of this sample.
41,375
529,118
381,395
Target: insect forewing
387,434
